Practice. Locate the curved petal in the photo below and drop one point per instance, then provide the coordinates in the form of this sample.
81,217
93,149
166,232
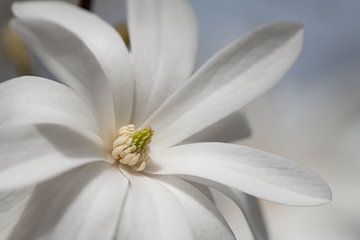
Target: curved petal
82,204
152,212
229,129
237,75
34,100
245,169
84,52
32,154
163,36
12,204
206,221
203,189
249,206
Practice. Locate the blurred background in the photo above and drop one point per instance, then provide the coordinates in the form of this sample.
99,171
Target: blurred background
312,116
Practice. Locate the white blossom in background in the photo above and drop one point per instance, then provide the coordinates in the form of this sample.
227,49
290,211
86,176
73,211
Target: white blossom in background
100,171
6,70
14,57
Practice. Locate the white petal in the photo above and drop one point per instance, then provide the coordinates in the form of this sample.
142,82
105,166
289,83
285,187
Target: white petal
206,221
245,169
247,204
203,189
33,154
12,205
34,100
152,212
229,129
234,77
163,36
84,52
250,208
82,204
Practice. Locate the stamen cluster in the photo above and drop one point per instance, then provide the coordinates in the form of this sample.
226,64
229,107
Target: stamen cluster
131,147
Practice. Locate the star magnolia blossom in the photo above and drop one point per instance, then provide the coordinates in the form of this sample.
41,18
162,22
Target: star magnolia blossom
114,148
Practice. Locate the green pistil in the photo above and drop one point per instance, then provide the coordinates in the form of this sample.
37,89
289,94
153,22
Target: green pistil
141,138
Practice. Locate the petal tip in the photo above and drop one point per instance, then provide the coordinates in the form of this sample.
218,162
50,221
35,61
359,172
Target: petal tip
297,28
293,26
327,194
291,29
14,7
323,197
21,9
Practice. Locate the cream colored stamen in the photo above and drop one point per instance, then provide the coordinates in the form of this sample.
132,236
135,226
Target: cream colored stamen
131,147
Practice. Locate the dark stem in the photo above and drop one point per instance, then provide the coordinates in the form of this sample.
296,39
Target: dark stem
86,4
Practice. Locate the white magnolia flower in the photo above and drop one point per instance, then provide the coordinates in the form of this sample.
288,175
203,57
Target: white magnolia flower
86,143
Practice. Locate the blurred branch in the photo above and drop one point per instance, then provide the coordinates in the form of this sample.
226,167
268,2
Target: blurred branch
122,29
86,4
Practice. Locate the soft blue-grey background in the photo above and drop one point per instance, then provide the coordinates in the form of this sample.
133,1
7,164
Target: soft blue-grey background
312,116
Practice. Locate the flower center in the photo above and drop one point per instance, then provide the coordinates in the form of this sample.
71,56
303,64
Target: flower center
131,147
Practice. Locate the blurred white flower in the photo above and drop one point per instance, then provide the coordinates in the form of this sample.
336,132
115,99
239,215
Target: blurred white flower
14,57
96,182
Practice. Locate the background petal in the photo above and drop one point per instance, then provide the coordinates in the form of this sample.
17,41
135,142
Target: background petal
84,52
163,37
151,211
82,204
239,201
206,221
229,129
248,205
245,169
234,77
12,204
